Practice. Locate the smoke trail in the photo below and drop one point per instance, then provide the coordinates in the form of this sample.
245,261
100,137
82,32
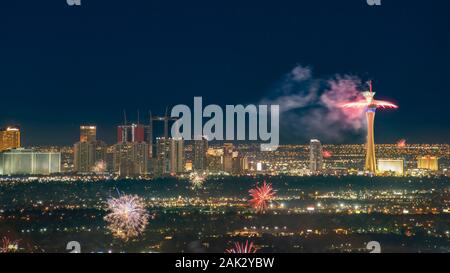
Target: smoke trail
310,106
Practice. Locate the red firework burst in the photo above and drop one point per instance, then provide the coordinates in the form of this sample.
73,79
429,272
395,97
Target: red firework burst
374,103
242,248
261,196
401,143
327,154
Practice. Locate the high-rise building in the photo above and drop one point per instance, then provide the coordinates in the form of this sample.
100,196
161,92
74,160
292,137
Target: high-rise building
395,166
29,162
244,164
66,159
228,149
158,158
162,156
83,156
240,163
176,156
131,133
315,156
132,153
215,159
123,159
110,158
88,133
9,138
89,153
130,159
428,162
199,150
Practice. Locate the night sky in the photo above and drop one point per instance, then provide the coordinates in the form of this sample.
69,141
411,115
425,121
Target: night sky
62,66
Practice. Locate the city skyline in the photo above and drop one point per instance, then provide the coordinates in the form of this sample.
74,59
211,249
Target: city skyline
136,154
59,56
113,137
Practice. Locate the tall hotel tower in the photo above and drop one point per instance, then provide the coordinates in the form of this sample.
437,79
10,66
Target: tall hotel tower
370,165
315,156
9,138
370,105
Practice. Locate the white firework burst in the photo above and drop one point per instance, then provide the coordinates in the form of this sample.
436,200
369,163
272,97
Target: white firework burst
127,217
196,180
8,245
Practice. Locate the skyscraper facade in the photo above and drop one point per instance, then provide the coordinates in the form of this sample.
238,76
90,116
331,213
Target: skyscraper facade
9,138
131,133
132,153
228,149
130,159
239,162
315,156
176,156
215,160
88,152
88,133
428,163
162,156
170,158
200,149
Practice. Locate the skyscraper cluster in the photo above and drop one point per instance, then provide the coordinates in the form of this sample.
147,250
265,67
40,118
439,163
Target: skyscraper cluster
136,153
132,151
15,160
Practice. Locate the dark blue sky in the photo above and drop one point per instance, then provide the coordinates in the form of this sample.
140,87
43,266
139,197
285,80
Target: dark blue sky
61,66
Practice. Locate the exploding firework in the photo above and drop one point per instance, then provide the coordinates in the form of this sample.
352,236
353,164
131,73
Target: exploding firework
369,101
9,246
196,180
261,196
100,167
401,143
242,248
327,154
364,104
127,217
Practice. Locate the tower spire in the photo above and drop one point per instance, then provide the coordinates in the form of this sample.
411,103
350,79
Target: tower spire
125,116
370,86
138,118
